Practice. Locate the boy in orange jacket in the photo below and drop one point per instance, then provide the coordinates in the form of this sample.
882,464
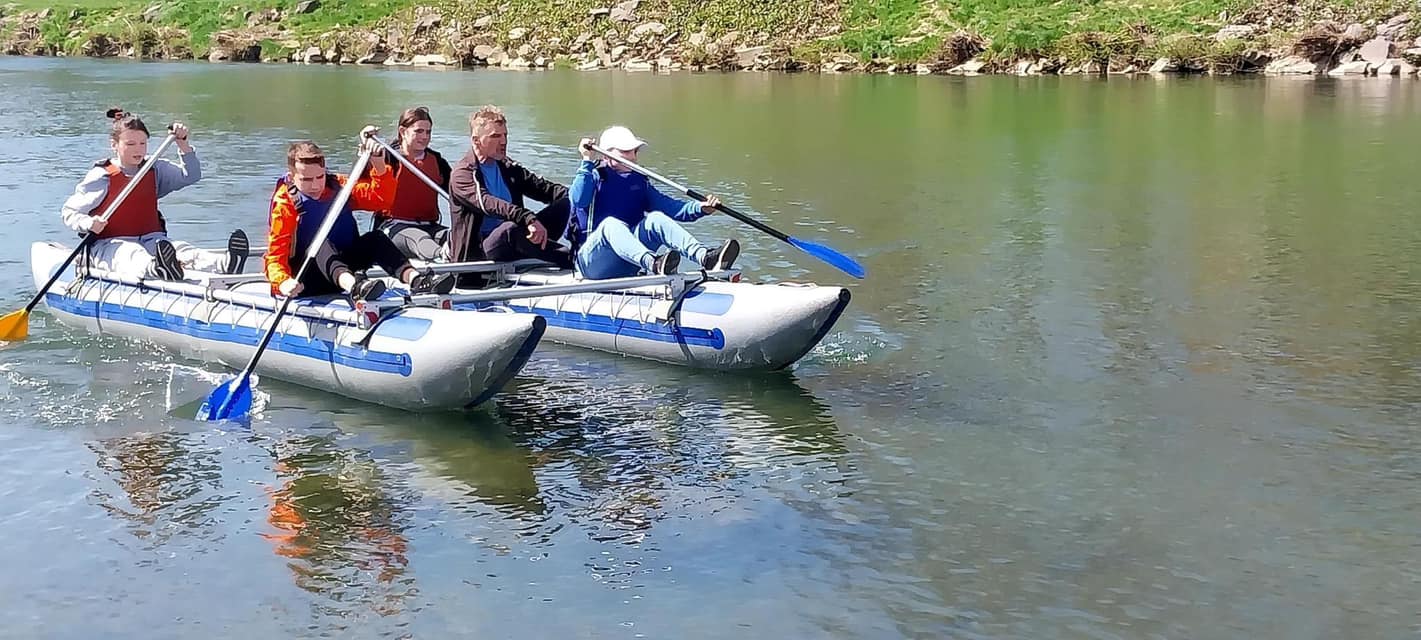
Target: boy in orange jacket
298,207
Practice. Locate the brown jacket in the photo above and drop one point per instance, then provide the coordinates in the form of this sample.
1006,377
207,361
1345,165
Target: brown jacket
472,202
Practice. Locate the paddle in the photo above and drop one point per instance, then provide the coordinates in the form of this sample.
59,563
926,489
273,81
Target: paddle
834,258
16,326
233,399
410,166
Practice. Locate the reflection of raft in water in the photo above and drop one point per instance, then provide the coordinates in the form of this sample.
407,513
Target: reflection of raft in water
708,322
410,357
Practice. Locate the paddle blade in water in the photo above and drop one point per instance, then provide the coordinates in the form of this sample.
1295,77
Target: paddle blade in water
838,260
231,400
15,326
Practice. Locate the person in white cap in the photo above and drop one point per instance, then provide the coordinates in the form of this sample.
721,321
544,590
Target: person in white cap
620,220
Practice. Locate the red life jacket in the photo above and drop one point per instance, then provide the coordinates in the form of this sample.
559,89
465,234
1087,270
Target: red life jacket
414,200
138,214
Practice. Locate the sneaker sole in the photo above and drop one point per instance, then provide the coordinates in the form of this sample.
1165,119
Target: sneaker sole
166,262
671,264
373,292
238,247
728,256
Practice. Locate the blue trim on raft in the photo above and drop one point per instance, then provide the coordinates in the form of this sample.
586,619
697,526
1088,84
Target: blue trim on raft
711,304
321,350
401,327
621,327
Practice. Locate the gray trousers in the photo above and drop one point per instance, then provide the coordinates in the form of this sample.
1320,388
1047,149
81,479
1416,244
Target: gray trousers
417,240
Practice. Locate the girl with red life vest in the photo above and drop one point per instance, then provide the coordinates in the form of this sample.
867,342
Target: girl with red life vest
412,219
299,206
133,242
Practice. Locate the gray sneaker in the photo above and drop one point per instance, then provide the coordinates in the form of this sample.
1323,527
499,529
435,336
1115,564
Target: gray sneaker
666,263
722,258
237,250
165,262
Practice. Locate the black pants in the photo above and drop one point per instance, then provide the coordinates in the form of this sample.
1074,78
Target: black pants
368,250
509,241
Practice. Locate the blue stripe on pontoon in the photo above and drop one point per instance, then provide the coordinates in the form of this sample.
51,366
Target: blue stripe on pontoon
321,350
402,327
711,304
621,327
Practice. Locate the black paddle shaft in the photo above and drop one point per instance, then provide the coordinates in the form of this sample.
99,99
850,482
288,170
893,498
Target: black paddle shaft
83,246
91,236
266,338
692,193
698,196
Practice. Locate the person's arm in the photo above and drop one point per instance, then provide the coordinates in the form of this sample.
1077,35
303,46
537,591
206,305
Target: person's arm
682,210
171,176
582,192
78,207
444,171
374,192
281,239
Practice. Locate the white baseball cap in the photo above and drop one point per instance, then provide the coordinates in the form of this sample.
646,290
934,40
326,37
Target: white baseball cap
621,139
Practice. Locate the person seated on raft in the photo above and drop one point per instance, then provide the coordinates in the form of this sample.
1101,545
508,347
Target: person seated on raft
411,220
618,222
134,242
298,208
488,218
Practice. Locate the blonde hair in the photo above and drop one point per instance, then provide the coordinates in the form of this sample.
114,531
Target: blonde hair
486,115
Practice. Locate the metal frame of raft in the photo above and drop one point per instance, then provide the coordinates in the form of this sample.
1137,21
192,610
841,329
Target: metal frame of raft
697,319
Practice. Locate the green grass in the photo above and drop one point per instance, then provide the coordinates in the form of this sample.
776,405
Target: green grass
904,31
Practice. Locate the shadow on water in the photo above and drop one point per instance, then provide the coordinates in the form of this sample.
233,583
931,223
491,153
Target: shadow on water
596,452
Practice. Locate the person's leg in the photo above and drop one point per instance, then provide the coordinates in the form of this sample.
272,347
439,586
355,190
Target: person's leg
315,282
382,251
233,260
165,263
613,251
555,216
344,269
658,229
123,256
501,244
415,241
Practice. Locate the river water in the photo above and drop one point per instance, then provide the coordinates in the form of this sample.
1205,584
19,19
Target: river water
1136,358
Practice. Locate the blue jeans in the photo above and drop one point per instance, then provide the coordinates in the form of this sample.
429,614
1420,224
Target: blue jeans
614,250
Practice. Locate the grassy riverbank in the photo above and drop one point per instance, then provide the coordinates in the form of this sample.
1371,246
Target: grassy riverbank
872,35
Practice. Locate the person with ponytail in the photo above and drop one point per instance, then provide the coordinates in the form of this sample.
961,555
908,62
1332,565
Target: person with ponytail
133,241
412,218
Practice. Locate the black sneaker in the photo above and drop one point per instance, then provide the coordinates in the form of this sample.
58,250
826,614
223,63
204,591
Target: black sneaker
165,262
237,249
666,263
722,258
432,283
367,288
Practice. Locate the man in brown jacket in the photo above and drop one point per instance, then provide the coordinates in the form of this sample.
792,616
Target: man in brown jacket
488,219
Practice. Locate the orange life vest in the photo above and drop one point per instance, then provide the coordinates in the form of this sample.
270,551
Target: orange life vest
138,214
414,200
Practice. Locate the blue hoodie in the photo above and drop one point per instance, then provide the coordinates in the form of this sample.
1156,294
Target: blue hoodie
627,197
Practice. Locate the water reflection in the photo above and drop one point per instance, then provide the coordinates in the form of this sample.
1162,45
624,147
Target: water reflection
340,521
611,447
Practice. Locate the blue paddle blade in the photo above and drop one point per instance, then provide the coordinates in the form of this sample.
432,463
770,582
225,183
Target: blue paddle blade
231,400
838,260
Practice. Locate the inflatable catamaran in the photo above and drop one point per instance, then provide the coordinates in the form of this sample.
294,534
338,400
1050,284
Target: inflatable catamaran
707,321
419,356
